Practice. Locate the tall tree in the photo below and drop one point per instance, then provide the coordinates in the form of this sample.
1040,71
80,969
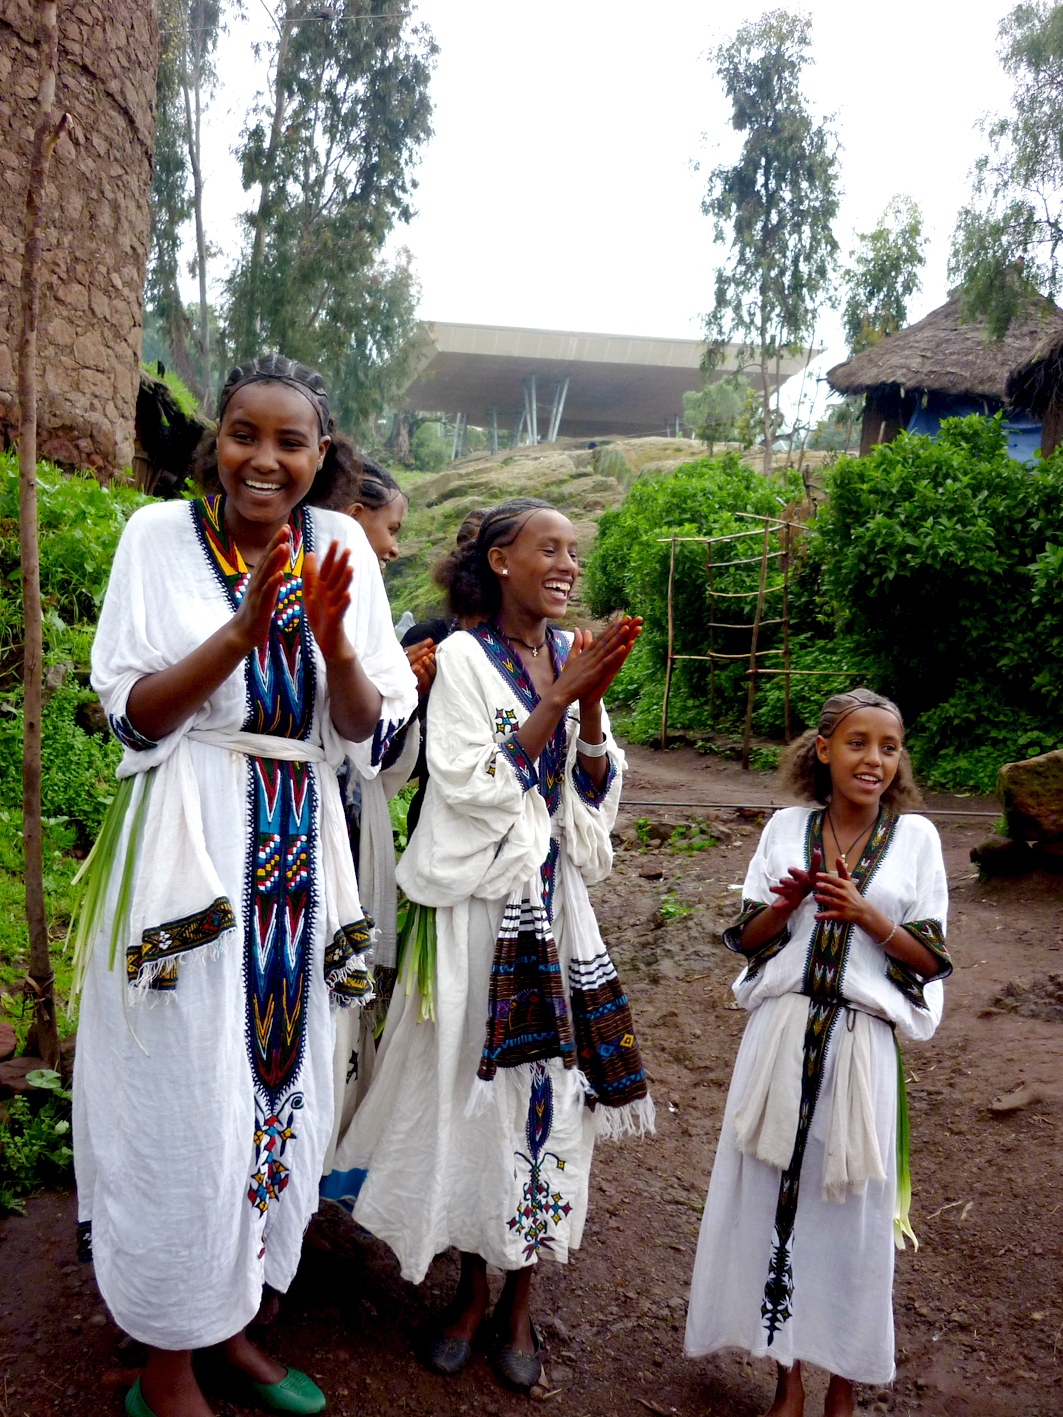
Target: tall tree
48,126
884,275
1008,240
776,204
198,81
169,202
332,154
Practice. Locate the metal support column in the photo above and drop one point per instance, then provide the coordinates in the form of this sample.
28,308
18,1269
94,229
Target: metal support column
492,427
531,409
560,394
458,446
518,428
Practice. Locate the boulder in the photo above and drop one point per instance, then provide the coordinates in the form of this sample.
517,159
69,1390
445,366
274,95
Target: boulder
1032,796
13,1075
1002,856
8,1040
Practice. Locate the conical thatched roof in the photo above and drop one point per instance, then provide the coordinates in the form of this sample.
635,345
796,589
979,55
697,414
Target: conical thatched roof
939,354
1038,383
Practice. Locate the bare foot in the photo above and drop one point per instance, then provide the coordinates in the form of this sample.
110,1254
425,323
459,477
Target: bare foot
841,1399
789,1393
242,1355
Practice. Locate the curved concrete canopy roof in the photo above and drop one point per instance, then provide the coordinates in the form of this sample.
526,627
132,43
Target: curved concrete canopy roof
615,383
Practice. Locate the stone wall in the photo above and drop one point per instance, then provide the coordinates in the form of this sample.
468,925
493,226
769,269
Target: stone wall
96,224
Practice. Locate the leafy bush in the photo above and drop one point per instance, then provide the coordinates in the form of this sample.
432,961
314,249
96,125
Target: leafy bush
628,570
34,1141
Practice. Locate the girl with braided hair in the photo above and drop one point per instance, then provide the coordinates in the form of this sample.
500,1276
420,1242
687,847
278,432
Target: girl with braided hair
244,648
810,1187
477,1130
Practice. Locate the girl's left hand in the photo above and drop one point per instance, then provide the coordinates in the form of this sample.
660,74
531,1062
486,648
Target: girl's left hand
422,658
838,897
326,598
624,632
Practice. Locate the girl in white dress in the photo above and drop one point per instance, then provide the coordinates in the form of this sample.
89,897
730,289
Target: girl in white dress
810,1188
476,1131
237,666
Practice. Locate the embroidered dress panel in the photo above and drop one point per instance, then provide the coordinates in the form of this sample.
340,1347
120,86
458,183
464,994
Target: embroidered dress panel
280,904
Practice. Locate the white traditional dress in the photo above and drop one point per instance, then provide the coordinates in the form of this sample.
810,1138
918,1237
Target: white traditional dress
203,1097
795,1256
436,1156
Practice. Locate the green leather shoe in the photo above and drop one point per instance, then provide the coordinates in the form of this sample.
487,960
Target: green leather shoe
294,1393
135,1405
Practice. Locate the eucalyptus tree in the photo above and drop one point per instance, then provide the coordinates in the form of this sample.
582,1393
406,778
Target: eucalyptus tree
199,79
775,205
883,275
332,152
1008,240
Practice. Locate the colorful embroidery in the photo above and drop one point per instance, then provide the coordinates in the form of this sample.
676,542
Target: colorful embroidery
280,686
606,1047
522,764
551,772
346,973
385,732
584,785
127,735
758,958
505,720
542,1207
152,960
527,1014
931,936
824,976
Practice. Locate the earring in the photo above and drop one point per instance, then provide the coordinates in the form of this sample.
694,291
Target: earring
504,572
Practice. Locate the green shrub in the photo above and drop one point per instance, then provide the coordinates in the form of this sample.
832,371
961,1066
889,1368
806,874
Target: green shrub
34,1141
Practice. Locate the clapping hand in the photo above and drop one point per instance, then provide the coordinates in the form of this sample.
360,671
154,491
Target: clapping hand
422,658
796,884
326,598
838,897
593,664
252,619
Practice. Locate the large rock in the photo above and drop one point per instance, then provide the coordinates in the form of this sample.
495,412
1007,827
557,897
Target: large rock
1032,796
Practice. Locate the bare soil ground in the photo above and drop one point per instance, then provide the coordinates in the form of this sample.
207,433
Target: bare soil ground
979,1308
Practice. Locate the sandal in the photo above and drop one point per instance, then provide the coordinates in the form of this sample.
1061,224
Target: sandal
294,1393
443,1355
514,1369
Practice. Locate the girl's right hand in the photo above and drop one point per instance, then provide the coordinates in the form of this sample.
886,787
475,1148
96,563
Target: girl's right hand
251,622
593,664
797,884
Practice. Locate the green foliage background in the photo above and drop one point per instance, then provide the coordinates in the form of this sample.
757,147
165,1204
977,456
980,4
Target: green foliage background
934,573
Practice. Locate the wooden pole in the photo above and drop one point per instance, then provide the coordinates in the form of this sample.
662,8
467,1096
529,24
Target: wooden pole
788,536
671,648
747,737
712,640
44,1037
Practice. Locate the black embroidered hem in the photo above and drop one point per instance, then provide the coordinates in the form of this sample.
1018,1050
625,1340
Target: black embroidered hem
127,735
758,958
522,765
348,981
84,1242
153,959
909,981
385,732
582,782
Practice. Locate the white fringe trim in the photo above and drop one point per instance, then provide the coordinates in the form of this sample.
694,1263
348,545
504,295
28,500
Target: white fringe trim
143,995
479,1098
357,964
636,1119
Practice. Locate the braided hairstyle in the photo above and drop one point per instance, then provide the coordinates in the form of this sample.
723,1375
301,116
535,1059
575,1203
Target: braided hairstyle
340,458
360,480
801,771
472,587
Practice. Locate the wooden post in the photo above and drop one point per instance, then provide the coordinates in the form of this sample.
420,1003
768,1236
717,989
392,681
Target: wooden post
748,735
712,640
671,648
44,1037
788,536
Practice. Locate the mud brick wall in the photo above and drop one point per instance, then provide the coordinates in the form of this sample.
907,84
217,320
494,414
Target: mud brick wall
96,224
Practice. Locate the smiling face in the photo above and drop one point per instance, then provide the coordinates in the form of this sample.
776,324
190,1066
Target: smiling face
541,566
269,451
381,526
863,754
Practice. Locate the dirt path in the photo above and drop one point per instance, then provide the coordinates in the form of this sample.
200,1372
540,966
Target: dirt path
979,1309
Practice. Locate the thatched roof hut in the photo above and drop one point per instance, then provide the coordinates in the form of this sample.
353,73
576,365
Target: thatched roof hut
944,365
1038,385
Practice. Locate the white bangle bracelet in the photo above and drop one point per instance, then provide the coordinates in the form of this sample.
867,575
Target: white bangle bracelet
883,943
592,750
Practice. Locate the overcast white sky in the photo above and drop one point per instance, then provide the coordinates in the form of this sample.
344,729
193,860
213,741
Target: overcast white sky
559,190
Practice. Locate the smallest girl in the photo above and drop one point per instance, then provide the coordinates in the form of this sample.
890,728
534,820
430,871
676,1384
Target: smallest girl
810,1187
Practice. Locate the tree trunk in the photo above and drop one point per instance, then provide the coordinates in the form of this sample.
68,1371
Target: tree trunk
765,406
192,136
398,443
280,99
44,1037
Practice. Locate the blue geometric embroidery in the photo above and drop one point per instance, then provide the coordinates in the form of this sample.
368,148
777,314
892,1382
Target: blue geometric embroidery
505,719
127,735
541,1208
